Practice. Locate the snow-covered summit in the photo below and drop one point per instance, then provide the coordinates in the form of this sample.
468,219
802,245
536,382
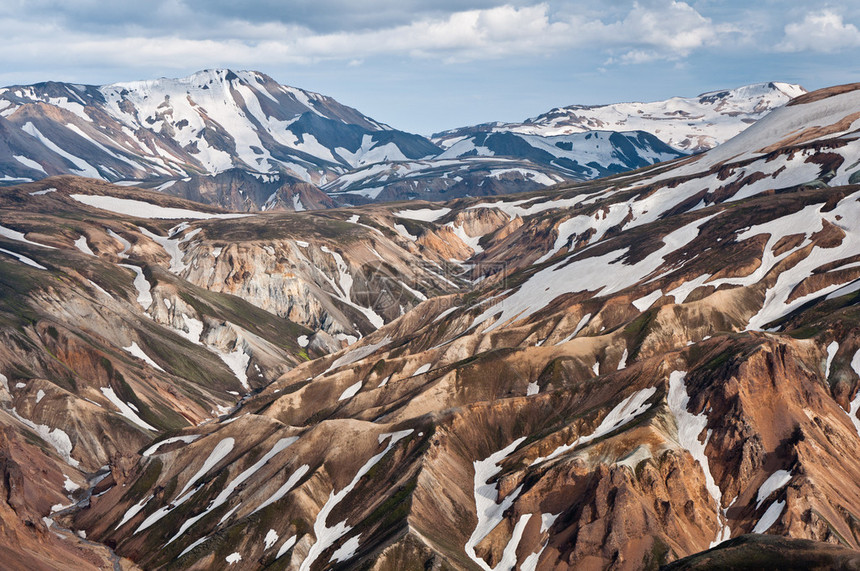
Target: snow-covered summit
205,124
688,124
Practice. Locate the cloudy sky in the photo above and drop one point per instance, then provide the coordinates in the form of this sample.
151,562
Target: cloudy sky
428,65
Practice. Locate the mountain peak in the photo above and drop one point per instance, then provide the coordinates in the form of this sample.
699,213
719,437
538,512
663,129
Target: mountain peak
202,79
688,124
790,90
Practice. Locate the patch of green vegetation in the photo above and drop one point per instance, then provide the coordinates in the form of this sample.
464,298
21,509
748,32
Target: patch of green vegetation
163,417
189,361
723,358
31,438
303,353
237,310
806,332
415,227
638,325
319,416
19,373
107,366
378,367
395,508
638,329
658,555
718,361
170,486
145,482
554,373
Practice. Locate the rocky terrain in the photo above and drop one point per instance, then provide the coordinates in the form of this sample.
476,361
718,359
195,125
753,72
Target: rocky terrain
655,368
239,140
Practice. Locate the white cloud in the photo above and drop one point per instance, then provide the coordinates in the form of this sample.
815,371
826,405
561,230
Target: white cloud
665,30
823,31
658,29
673,26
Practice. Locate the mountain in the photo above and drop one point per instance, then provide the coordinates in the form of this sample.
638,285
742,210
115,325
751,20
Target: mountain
209,123
241,141
687,124
496,163
615,374
571,143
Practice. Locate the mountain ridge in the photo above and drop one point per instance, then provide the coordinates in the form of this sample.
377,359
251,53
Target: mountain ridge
239,139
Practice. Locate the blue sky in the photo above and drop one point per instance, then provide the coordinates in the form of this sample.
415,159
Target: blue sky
424,65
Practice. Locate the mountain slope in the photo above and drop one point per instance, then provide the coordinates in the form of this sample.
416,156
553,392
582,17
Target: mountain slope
687,124
572,143
611,375
204,124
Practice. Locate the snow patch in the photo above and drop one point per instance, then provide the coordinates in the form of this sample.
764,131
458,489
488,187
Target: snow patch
125,410
141,209
831,352
855,404
27,162
622,364
776,481
81,244
19,237
328,536
24,259
491,513
350,392
136,351
133,511
144,294
623,413
186,439
769,517
401,229
270,539
219,452
690,426
69,485
423,214
422,369
286,546
83,167
56,437
647,301
237,361
346,551
291,482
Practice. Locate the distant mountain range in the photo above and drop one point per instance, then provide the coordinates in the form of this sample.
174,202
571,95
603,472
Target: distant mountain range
242,141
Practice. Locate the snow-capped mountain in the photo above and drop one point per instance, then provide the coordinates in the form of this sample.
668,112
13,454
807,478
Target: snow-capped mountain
204,124
571,143
486,163
243,141
687,124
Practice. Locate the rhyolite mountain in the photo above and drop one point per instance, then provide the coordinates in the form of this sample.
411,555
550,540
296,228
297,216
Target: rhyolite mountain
653,368
242,141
